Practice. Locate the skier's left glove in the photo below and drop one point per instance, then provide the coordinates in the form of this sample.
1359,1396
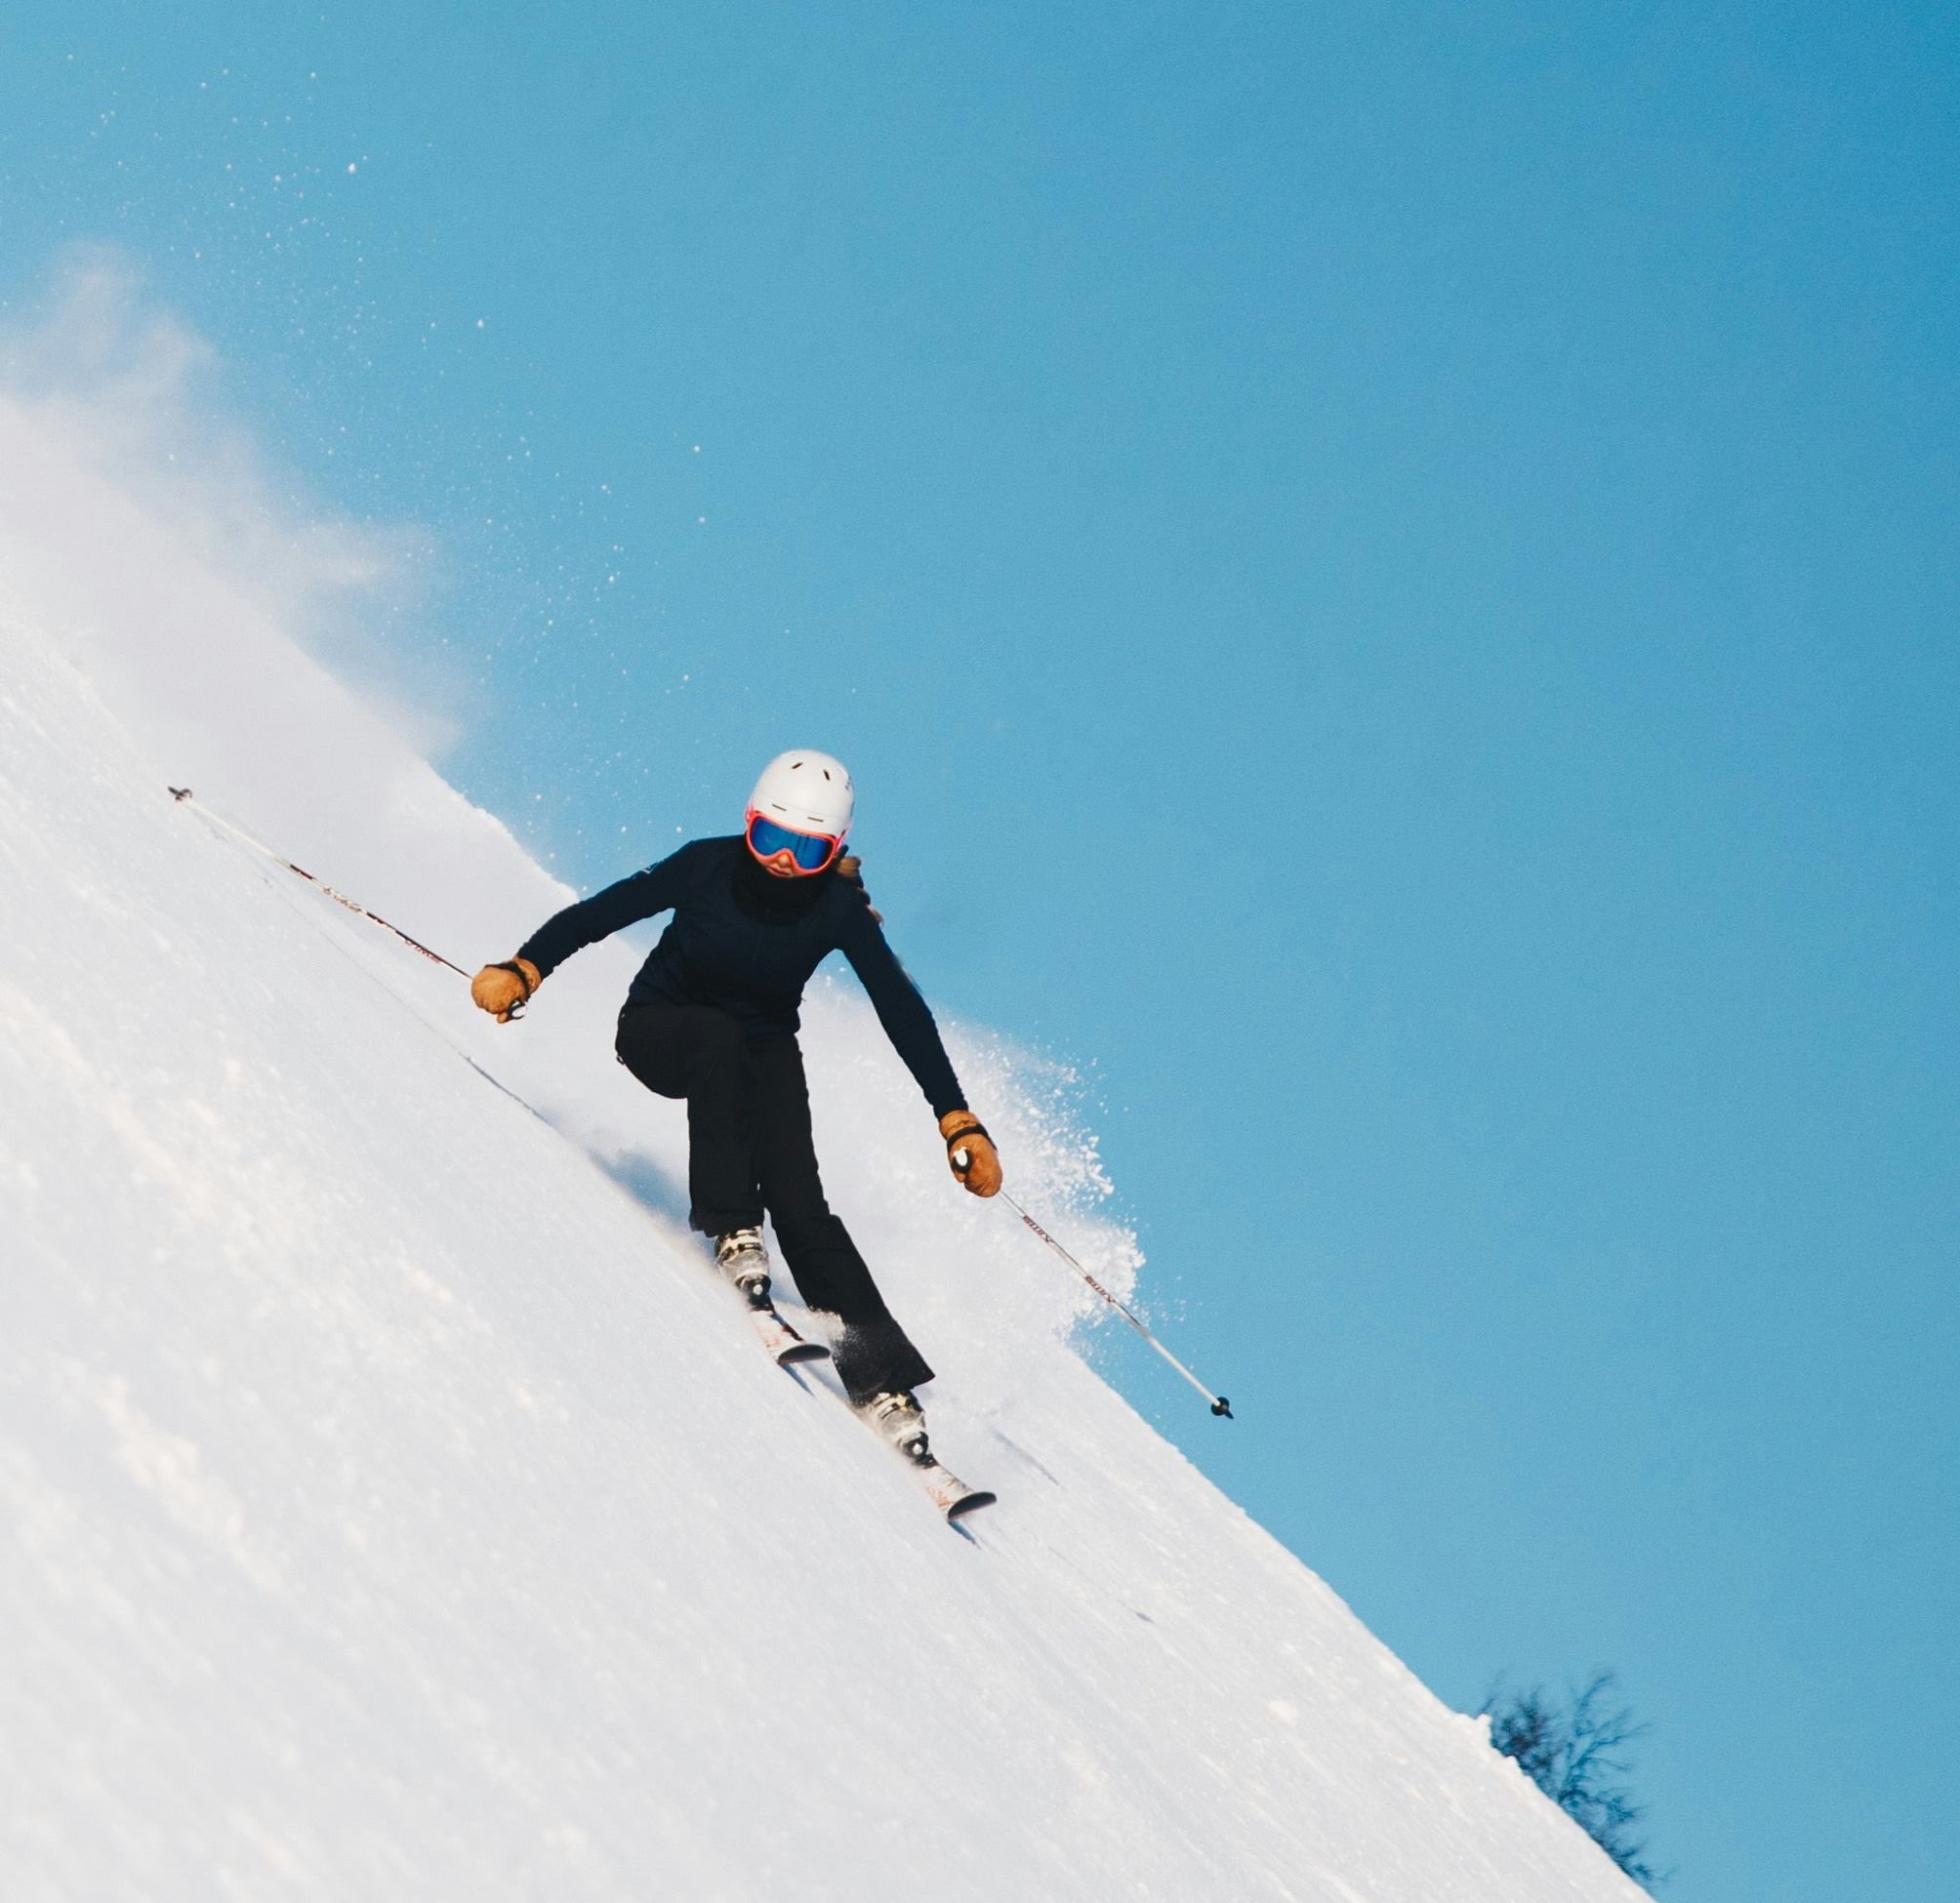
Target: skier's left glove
971,1151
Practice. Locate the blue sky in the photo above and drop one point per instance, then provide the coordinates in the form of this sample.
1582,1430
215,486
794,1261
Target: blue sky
1387,577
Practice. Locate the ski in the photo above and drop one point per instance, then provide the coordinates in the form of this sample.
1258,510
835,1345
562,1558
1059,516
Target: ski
946,1489
785,1346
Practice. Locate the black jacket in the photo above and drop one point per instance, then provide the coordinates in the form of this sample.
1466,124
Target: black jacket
746,943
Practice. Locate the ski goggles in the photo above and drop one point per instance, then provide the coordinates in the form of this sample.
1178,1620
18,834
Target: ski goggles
811,851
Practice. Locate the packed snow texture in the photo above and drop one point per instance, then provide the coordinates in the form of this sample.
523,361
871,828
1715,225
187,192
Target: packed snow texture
395,1506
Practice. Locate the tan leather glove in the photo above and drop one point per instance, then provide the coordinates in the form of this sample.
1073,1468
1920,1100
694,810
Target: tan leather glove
506,988
970,1152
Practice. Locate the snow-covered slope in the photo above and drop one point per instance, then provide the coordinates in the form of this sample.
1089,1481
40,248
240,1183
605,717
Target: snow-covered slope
393,1505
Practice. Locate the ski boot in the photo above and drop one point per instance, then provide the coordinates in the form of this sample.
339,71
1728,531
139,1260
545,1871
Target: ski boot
742,1258
898,1420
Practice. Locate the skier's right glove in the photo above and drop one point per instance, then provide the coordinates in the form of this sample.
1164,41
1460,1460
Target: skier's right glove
970,1152
505,989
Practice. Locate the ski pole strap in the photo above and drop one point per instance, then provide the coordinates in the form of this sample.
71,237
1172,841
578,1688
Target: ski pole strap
517,971
972,1127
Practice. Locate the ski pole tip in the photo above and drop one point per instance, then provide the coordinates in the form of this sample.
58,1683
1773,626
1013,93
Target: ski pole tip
1223,1407
178,793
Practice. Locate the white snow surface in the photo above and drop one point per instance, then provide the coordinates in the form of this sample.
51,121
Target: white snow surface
394,1504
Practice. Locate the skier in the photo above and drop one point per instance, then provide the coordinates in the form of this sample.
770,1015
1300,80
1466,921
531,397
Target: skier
713,1018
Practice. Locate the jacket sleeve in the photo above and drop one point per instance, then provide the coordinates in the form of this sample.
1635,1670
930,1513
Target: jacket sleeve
623,904
904,1013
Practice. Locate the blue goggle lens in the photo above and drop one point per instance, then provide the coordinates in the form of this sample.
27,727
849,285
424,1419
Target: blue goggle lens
808,849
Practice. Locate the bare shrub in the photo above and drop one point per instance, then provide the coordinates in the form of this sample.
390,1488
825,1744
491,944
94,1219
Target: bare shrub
1576,1754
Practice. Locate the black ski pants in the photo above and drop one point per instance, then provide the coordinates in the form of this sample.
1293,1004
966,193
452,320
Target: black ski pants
750,1150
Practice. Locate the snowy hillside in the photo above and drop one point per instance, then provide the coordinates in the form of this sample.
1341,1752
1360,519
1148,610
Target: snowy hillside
395,1507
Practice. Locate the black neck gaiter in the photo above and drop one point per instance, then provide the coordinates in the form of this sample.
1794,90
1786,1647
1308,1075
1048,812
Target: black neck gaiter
778,902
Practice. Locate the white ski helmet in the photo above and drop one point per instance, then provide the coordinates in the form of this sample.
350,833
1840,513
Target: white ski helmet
807,791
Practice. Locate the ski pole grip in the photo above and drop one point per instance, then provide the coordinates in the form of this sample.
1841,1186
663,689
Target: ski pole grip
956,1151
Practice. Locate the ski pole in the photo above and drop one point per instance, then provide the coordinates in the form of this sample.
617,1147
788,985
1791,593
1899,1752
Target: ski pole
185,798
1219,1405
